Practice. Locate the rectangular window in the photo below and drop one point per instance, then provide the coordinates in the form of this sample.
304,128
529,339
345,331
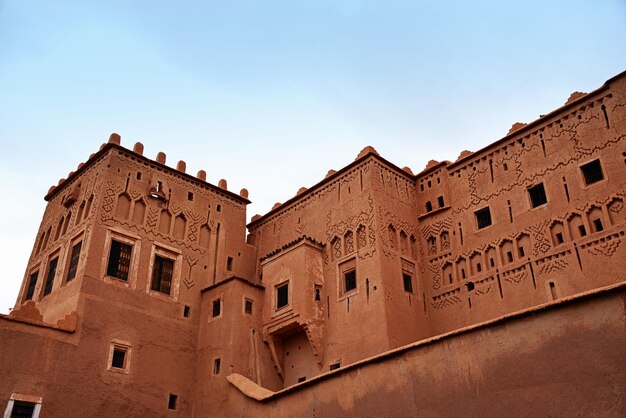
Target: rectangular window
483,218
282,296
440,201
592,172
537,195
32,283
301,379
52,270
186,311
171,403
119,260
74,257
408,282
559,238
229,264
119,357
162,274
597,224
349,278
335,366
247,306
217,365
217,308
22,409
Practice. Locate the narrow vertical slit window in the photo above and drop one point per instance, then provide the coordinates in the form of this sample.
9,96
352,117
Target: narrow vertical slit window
171,402
216,308
217,366
440,201
229,264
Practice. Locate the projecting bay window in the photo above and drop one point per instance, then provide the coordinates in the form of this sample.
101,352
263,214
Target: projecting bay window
119,260
162,273
74,258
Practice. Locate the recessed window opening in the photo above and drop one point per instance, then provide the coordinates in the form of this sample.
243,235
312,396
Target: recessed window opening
429,184
429,206
592,172
282,296
247,306
138,175
217,308
217,365
119,260
162,273
318,293
74,257
190,196
520,250
218,208
52,269
186,311
463,273
505,166
350,280
483,218
470,286
509,256
559,238
335,366
421,187
32,283
22,409
552,290
478,267
408,282
450,279
118,361
537,195
492,262
597,224
582,231
229,264
171,403
301,379
440,201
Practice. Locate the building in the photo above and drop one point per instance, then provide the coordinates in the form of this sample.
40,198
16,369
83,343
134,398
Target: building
483,285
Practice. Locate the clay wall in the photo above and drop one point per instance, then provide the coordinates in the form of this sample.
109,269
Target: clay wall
561,360
539,253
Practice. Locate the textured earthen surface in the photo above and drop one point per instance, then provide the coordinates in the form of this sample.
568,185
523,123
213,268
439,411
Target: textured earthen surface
357,273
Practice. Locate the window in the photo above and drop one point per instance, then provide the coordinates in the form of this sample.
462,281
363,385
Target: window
483,218
186,311
171,403
592,172
335,366
408,282
537,195
301,379
429,206
318,293
282,296
597,224
559,238
119,357
32,283
52,270
119,260
162,274
229,264
440,201
217,308
23,406
349,278
247,306
217,365
74,257
190,196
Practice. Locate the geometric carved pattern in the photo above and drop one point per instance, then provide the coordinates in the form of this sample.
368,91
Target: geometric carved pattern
606,248
556,265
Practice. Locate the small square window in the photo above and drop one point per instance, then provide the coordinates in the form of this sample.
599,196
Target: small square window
22,409
350,280
119,260
217,366
138,175
171,403
483,218
282,296
247,306
408,282
537,195
217,308
592,172
162,273
119,357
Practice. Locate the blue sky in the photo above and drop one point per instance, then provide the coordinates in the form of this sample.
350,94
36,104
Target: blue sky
270,95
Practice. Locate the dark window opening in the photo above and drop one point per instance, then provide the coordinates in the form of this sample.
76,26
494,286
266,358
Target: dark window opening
186,311
505,166
450,279
119,260
429,206
217,308
52,270
559,238
509,256
463,273
440,201
162,274
582,230
597,224
22,409
350,280
470,286
71,271
318,294
552,290
492,262
219,208
119,357
537,195
592,172
248,306
408,282
479,267
520,250
217,365
190,196
229,264
301,379
421,187
171,403
282,296
31,285
429,184
335,366
483,218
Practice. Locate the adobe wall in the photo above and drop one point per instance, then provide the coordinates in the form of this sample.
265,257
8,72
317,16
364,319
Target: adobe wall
550,151
564,360
69,370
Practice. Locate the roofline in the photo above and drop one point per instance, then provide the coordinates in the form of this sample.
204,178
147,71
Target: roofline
230,279
534,124
329,179
106,147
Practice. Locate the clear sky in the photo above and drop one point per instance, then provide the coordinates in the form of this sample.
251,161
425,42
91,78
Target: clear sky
270,95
